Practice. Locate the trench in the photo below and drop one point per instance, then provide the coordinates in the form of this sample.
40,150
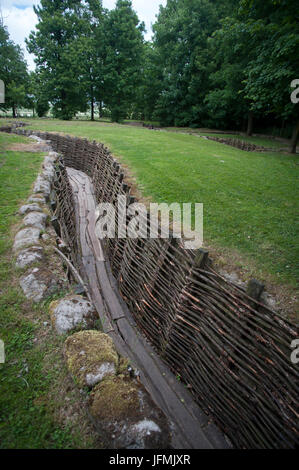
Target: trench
189,426
175,317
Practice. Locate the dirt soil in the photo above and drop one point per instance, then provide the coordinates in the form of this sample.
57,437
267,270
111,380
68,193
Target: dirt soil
33,147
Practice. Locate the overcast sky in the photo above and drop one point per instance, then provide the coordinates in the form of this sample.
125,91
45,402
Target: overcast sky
20,19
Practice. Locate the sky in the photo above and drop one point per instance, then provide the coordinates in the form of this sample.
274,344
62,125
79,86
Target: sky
20,19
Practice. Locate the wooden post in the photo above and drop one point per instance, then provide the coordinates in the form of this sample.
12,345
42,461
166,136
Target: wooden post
201,258
255,290
53,205
125,188
56,225
132,200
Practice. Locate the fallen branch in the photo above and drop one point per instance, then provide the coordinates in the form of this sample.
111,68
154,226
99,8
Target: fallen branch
74,271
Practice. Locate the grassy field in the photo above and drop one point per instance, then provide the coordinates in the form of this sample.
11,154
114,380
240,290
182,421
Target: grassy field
267,142
34,383
250,199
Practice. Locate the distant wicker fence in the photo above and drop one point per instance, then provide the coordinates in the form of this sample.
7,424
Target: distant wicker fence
11,127
240,144
231,351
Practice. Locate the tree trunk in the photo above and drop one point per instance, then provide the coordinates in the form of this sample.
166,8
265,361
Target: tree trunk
92,104
63,105
92,110
250,123
295,138
14,114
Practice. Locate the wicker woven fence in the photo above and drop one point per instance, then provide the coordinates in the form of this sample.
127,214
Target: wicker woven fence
242,145
230,350
11,127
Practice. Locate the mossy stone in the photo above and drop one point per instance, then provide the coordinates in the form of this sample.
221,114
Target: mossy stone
90,356
115,399
72,313
125,416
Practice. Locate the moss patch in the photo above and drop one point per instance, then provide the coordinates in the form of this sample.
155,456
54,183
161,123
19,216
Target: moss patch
86,352
115,399
125,416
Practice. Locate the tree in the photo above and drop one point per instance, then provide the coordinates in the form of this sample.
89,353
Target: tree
88,50
224,62
231,49
182,31
37,96
150,84
256,57
276,60
13,71
122,59
60,25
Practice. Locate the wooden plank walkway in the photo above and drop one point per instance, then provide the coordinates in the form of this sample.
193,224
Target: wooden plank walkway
189,425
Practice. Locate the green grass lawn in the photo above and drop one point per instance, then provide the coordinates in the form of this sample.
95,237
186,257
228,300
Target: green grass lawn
17,172
250,199
34,370
267,142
